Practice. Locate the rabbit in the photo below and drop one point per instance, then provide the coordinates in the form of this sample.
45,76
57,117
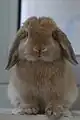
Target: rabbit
40,63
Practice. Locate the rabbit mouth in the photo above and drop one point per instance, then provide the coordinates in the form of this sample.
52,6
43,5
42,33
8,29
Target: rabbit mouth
32,58
38,58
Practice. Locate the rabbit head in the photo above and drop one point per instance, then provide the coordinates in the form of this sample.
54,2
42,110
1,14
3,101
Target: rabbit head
40,39
39,42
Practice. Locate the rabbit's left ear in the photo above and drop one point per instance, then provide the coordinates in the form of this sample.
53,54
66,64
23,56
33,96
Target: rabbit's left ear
67,50
13,53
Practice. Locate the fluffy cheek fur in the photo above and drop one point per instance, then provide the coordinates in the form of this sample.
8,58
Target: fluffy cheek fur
52,52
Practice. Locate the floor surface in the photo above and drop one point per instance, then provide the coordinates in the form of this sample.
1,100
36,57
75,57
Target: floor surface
5,114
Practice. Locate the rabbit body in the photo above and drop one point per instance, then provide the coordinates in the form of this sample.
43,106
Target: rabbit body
42,80
40,84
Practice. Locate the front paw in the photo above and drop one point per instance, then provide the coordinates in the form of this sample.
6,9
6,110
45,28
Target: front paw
56,111
19,111
30,110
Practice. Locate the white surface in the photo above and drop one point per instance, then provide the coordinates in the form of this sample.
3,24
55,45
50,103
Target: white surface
28,117
20,117
5,114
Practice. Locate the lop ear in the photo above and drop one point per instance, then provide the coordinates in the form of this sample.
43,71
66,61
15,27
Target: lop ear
67,50
13,53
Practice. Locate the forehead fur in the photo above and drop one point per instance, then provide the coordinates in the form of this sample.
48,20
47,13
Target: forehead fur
42,22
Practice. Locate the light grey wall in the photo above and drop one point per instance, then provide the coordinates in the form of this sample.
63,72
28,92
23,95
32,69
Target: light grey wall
8,27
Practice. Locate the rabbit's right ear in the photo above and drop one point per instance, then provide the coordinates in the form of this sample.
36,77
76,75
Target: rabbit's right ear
66,47
13,53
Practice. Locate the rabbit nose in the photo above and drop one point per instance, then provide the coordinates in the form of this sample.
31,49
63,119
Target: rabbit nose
39,50
35,49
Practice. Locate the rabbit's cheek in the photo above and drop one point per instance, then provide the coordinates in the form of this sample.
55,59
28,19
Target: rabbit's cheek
47,58
30,58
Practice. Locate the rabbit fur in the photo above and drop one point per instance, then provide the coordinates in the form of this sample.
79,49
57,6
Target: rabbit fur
40,62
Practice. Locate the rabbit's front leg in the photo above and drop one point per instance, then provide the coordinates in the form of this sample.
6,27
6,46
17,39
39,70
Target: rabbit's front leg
15,99
57,110
26,109
29,106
